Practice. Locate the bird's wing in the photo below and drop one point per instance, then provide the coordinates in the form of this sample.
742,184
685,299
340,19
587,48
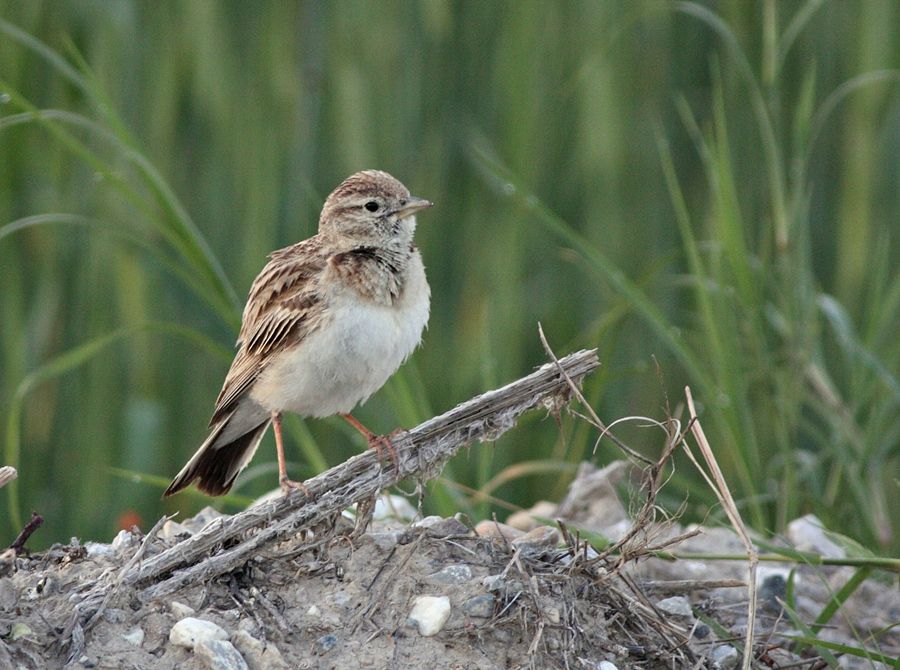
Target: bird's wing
284,306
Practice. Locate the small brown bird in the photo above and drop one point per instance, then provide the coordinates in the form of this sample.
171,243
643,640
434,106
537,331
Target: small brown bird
327,322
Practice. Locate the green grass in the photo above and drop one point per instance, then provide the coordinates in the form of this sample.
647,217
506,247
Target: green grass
713,185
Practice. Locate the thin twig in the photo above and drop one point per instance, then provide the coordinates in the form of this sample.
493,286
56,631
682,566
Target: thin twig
594,419
18,544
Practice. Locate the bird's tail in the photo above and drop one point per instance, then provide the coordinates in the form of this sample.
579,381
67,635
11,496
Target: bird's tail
223,454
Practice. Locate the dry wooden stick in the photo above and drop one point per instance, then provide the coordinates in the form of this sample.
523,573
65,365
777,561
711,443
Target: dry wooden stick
421,453
18,544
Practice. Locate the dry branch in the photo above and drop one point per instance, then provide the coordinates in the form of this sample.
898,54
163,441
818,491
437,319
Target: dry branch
421,452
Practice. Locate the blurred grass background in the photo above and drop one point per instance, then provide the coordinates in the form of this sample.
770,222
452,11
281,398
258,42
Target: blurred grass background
714,185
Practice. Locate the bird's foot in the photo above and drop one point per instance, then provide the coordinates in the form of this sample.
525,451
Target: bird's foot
382,443
289,485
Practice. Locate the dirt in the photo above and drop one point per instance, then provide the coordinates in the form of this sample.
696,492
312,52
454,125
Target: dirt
536,602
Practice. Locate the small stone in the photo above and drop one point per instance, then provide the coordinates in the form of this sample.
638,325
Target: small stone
220,655
676,606
172,530
701,631
202,519
538,539
808,534
180,610
497,531
341,599
552,615
232,614
247,626
86,662
123,540
429,614
246,643
530,519
190,631
259,655
393,507
20,630
437,526
606,665
313,611
505,587
428,521
726,657
99,550
386,541
772,589
493,582
452,574
480,607
135,636
327,642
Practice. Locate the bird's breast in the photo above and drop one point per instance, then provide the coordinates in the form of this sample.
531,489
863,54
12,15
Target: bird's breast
358,346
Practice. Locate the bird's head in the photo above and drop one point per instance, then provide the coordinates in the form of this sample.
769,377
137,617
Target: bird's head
371,208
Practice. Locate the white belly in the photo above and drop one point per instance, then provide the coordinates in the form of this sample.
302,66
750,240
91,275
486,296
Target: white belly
349,357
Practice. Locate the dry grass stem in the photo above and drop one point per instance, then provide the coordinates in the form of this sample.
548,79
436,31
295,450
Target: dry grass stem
717,482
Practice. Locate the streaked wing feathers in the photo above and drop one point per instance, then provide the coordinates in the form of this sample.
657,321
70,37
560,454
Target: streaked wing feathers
283,307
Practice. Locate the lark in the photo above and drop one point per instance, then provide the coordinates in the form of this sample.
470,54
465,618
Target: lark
327,322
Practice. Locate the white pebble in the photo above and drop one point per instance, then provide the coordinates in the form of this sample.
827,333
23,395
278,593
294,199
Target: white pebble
123,540
606,665
99,550
393,507
809,534
430,613
726,657
20,630
135,636
189,631
257,654
180,610
172,529
220,655
428,521
676,606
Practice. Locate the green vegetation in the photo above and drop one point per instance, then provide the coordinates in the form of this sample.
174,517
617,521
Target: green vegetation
711,185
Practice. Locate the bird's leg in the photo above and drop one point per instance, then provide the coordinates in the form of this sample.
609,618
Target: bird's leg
376,442
287,485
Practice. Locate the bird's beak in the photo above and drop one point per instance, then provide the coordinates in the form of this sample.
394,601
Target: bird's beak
413,205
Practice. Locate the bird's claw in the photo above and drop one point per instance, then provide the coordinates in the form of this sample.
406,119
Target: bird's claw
289,485
382,443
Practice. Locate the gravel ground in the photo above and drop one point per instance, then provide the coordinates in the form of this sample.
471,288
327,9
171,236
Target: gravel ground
438,593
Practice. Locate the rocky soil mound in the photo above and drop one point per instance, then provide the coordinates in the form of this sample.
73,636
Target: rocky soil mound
439,593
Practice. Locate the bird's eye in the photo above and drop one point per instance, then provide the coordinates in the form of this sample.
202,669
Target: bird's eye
372,206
